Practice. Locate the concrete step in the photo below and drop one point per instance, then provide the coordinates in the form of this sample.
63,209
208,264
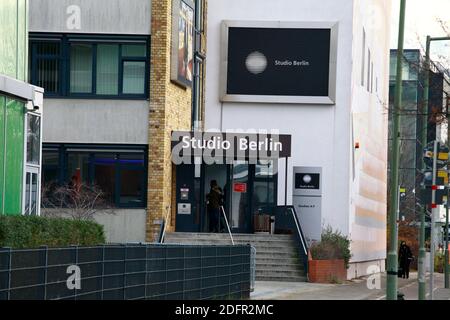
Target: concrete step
240,236
277,256
282,278
279,267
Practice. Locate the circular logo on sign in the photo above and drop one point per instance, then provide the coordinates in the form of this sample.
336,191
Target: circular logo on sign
306,178
256,62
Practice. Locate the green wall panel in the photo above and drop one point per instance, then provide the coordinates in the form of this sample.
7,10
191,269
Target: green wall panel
14,38
2,150
14,156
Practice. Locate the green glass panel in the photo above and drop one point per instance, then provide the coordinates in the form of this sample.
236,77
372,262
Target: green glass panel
2,149
107,69
80,68
134,50
14,156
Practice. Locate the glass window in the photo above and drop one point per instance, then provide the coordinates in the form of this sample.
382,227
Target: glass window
104,67
107,69
34,193
81,68
120,176
33,138
47,65
50,166
131,185
134,50
105,176
78,168
134,77
47,75
27,193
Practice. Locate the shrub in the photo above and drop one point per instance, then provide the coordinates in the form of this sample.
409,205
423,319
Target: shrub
31,232
332,245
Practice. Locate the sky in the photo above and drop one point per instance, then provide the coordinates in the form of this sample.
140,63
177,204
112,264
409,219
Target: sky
422,20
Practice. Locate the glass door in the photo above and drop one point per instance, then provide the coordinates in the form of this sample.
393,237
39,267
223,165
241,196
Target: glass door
239,202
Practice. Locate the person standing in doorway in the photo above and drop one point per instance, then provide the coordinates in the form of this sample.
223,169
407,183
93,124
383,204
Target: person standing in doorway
405,257
214,201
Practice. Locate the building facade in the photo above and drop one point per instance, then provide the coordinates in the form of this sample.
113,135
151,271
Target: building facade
340,139
118,77
20,116
122,77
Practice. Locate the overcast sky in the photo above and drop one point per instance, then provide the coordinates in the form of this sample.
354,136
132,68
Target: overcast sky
422,20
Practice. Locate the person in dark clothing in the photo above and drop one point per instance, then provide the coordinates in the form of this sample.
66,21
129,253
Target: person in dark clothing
214,200
404,258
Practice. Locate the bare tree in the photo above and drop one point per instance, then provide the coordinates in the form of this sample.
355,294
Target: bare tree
80,202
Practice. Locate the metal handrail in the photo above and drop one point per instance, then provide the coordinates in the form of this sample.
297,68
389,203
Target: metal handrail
161,240
300,234
228,226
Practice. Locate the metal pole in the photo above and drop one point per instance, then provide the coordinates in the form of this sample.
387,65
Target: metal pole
434,211
446,266
421,264
392,262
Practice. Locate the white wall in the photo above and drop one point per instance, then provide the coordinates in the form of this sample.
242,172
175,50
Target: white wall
320,134
94,16
96,121
367,223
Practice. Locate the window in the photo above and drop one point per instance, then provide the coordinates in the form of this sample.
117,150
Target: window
369,62
120,174
104,67
33,139
264,185
81,68
47,62
371,78
363,58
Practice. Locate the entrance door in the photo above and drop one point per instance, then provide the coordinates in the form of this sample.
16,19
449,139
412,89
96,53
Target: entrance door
218,172
240,205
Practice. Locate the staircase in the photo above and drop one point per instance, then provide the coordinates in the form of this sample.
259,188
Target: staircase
277,256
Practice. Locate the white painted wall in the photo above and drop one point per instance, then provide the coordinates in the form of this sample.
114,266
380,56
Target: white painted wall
320,134
367,223
96,121
94,16
120,225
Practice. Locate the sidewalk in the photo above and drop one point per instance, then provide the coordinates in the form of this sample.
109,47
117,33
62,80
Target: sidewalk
350,290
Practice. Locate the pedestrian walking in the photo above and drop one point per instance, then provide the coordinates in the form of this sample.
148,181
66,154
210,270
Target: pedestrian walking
404,258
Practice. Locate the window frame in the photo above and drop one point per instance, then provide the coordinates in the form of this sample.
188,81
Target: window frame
66,40
117,150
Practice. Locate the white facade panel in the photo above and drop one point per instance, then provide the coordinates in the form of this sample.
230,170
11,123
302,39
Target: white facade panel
96,121
91,16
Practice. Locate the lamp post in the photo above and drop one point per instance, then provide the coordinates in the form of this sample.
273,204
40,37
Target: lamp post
426,92
392,261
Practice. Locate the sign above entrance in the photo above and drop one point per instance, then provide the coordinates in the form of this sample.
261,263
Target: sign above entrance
224,147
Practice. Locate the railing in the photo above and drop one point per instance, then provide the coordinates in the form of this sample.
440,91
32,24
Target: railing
252,268
126,272
162,231
299,230
228,226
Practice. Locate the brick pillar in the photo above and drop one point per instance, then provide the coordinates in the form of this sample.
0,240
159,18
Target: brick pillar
170,110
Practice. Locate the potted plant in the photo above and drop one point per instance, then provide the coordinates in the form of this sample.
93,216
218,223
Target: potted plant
328,259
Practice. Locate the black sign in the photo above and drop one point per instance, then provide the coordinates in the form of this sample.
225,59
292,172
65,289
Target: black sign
308,181
214,147
278,61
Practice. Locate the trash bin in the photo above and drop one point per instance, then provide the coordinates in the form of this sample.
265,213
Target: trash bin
272,224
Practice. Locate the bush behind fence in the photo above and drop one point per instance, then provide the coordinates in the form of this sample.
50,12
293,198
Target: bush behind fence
125,272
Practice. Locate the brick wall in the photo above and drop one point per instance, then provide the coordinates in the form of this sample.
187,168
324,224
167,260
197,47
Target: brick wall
170,109
326,271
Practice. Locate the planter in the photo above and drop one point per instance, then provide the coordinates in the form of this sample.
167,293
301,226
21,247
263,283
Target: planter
326,271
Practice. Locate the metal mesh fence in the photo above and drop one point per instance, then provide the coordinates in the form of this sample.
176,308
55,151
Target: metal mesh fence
126,272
